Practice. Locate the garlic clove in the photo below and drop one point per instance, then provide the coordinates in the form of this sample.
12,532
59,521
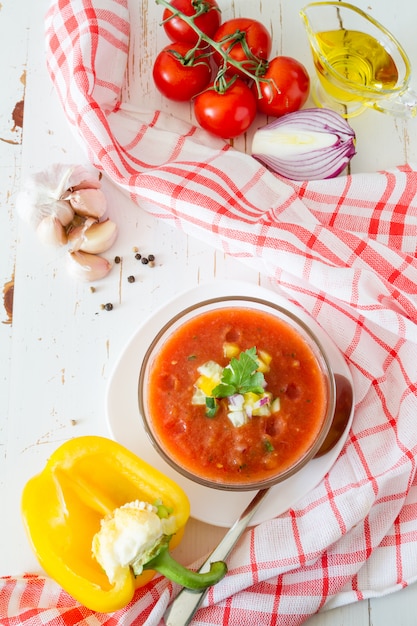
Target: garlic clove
87,267
82,178
51,231
88,202
76,232
95,238
64,212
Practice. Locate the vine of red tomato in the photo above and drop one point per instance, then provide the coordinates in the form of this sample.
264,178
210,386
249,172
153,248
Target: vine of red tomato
237,53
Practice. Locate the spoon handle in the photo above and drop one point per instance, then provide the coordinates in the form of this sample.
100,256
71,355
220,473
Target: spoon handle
182,609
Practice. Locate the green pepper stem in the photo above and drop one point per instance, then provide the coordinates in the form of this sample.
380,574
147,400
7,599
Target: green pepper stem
166,565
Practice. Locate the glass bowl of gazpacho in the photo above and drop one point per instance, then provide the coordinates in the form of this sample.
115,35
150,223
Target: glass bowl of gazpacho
236,393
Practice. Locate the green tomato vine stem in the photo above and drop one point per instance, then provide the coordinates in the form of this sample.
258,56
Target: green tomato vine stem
220,82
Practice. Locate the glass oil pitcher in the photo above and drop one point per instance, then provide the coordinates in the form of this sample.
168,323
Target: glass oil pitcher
359,63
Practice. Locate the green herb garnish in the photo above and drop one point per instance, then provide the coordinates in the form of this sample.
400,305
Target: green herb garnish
241,376
211,406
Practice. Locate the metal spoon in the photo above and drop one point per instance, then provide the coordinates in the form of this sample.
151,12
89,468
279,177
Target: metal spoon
181,611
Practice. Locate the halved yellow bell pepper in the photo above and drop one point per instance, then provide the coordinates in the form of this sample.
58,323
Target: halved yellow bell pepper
84,480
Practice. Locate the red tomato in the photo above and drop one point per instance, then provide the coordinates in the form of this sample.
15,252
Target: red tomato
288,89
208,22
226,114
258,41
175,77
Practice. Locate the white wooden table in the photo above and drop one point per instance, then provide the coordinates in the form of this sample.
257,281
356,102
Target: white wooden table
57,346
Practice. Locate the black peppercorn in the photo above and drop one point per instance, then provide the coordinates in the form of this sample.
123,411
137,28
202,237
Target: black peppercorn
145,260
117,259
108,306
138,256
130,279
151,257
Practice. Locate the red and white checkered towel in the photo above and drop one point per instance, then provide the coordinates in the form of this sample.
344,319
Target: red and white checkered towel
345,250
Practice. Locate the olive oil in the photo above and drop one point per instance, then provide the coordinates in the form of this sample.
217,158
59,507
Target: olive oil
357,64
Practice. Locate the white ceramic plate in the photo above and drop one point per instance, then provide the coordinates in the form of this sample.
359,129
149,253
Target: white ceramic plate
212,506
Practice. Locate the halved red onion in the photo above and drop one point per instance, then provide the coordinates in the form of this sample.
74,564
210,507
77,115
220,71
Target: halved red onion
309,144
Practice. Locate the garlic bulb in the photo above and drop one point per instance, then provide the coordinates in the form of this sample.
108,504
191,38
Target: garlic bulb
87,267
64,205
43,193
94,238
51,231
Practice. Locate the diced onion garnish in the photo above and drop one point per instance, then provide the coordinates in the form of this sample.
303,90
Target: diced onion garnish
241,407
211,369
236,402
309,144
261,402
238,418
275,405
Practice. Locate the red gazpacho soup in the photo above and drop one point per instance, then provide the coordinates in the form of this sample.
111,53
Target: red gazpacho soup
230,417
